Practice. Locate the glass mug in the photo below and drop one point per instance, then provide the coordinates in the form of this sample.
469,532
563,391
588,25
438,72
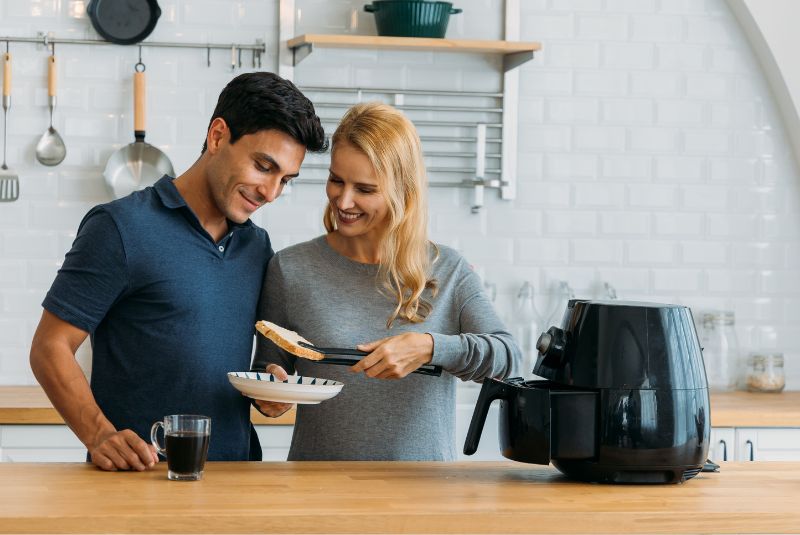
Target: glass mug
186,437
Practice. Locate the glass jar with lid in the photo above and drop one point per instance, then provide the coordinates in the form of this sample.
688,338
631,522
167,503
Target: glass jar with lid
765,372
720,349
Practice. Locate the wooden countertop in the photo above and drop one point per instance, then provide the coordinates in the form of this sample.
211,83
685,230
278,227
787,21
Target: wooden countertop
393,497
29,405
749,409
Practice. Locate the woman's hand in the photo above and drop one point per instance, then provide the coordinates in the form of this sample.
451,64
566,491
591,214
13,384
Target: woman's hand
396,356
274,409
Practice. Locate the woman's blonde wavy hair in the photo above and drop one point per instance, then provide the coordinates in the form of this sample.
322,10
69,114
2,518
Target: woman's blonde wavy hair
390,142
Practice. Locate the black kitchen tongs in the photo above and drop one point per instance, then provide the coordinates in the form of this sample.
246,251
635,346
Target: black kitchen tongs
426,369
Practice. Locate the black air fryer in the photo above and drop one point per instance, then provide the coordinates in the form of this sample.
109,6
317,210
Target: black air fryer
625,398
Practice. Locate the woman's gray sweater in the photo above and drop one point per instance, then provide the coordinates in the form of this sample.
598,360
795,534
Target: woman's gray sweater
335,302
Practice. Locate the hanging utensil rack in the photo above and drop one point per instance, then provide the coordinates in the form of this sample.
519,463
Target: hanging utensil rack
236,49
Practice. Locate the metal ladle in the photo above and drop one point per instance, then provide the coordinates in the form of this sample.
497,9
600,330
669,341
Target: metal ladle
51,149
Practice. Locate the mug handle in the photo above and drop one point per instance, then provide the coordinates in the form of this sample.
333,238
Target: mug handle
154,438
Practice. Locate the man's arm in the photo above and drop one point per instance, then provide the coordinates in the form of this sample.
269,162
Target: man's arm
53,363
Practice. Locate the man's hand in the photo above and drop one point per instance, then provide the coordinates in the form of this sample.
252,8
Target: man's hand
122,450
274,409
396,356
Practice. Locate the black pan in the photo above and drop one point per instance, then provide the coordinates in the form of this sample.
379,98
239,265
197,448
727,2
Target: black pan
124,22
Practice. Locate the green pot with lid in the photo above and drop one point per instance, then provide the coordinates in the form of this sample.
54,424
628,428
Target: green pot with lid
411,18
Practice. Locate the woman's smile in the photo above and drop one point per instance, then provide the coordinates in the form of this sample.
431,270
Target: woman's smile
348,218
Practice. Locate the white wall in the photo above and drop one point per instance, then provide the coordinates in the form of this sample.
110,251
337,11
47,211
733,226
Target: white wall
651,154
769,26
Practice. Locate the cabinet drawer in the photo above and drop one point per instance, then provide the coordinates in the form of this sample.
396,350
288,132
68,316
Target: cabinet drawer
767,444
777,439
38,436
275,441
489,445
722,445
275,436
274,454
43,455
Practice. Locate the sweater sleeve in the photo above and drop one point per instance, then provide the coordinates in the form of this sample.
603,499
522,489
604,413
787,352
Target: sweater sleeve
272,307
484,348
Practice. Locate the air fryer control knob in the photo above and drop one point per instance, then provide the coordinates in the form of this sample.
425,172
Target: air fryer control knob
551,346
543,343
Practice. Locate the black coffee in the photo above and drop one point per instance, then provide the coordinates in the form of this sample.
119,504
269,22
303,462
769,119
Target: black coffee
186,452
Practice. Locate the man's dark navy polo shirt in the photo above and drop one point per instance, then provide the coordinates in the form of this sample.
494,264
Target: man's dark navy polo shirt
169,311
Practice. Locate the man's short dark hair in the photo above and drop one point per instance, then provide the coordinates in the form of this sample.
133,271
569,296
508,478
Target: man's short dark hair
258,101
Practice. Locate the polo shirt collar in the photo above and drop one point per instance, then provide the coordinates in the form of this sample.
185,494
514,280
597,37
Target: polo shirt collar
168,193
171,198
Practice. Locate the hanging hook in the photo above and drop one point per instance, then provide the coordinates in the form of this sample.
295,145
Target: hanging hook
140,64
208,56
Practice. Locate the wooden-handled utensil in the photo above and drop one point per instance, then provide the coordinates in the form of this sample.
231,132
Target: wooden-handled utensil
138,164
51,149
9,181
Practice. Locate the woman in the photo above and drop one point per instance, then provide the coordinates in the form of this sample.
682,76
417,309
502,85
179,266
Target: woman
374,281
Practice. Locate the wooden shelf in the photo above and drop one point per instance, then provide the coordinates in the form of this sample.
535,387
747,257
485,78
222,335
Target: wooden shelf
514,53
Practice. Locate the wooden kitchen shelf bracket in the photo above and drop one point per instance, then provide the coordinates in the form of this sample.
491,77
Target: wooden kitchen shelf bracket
301,52
512,61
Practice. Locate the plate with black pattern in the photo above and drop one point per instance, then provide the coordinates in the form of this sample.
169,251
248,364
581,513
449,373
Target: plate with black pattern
296,389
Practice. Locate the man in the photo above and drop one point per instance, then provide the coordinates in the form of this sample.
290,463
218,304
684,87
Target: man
166,281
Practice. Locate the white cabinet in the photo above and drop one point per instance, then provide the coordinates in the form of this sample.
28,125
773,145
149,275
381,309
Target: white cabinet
754,444
489,445
40,443
767,444
275,441
723,444
57,443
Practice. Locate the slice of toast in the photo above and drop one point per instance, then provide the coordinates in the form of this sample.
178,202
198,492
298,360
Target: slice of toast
287,340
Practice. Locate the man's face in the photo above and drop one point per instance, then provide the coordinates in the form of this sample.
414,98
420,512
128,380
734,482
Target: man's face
245,175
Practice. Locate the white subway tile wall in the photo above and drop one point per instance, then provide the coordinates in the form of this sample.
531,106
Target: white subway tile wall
651,153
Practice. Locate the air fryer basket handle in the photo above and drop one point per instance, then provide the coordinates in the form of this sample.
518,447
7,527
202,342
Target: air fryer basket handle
491,390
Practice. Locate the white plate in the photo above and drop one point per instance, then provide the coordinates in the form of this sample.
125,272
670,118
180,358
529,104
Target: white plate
297,389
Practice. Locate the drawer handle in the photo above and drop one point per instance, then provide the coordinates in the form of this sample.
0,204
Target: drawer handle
750,443
724,450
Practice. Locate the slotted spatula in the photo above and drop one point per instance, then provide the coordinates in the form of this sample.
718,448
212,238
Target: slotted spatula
9,181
